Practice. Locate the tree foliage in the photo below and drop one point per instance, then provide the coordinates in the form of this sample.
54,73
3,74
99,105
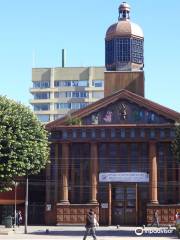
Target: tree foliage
176,143
24,146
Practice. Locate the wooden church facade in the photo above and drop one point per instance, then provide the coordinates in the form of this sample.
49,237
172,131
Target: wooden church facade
114,156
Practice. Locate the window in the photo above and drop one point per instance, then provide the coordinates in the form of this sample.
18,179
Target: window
98,95
83,104
83,83
93,133
62,94
41,84
122,133
74,133
41,107
62,83
137,51
132,133
152,133
103,133
134,157
42,95
162,133
62,106
98,83
75,105
80,94
142,133
74,83
58,116
83,133
113,133
64,134
43,117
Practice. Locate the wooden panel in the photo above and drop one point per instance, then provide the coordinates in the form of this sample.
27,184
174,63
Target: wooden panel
66,218
66,211
74,214
60,211
73,211
166,214
132,81
80,211
73,218
60,218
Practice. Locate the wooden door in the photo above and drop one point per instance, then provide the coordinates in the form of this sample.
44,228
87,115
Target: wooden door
124,205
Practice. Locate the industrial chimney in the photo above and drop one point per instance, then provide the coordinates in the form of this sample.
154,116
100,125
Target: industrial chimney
63,58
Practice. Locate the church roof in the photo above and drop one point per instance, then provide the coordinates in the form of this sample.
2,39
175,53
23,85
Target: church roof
122,94
124,29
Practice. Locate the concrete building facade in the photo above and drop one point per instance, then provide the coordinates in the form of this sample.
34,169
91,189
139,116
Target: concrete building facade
61,90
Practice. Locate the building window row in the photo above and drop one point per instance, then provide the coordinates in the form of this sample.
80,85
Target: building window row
98,83
98,95
42,107
80,94
71,83
68,94
43,117
42,95
41,84
46,117
78,83
70,105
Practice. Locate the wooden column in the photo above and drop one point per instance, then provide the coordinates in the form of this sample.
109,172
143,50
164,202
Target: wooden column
56,171
93,173
48,183
109,204
64,167
178,166
153,173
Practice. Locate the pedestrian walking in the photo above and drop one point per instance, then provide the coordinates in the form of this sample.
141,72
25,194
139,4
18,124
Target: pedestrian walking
155,218
177,216
91,224
18,218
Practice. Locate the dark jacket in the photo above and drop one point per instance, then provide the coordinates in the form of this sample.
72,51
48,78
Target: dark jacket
90,220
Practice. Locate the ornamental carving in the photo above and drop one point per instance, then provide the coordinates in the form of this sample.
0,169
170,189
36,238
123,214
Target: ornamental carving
124,112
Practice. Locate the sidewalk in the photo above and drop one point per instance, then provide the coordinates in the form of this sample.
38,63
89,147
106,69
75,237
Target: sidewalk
77,232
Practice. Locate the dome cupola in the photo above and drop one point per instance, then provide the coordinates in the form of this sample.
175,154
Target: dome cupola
124,43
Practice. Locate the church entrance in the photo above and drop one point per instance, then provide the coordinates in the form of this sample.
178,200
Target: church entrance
124,204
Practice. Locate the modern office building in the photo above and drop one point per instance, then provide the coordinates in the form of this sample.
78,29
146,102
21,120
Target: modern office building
117,158
61,90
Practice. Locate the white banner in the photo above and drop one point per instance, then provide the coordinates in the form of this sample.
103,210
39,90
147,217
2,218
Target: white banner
124,177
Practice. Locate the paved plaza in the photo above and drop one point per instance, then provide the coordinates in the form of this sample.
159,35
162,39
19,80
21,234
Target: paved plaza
77,232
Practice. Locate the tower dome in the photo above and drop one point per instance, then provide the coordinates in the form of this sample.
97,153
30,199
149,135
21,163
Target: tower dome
124,43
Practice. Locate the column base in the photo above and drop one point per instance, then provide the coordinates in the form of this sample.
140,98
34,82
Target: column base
64,202
93,202
153,202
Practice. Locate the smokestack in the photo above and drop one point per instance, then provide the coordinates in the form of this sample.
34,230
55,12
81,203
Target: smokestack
63,58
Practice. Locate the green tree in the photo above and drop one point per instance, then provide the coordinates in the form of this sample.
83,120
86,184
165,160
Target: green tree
24,146
176,143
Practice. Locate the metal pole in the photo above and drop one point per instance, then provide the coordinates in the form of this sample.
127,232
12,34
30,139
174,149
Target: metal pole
26,207
15,205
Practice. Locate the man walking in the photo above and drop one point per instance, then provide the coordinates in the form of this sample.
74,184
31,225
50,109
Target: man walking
91,223
156,218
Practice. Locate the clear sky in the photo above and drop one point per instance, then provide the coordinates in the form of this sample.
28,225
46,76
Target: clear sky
47,26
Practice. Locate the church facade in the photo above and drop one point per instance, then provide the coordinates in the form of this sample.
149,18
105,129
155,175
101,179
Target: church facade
115,155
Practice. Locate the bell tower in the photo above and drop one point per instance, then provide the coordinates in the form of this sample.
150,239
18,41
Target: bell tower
124,55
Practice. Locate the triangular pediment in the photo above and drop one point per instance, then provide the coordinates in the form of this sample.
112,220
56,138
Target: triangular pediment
122,107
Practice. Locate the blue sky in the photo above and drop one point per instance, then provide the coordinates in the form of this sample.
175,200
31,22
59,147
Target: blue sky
47,26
